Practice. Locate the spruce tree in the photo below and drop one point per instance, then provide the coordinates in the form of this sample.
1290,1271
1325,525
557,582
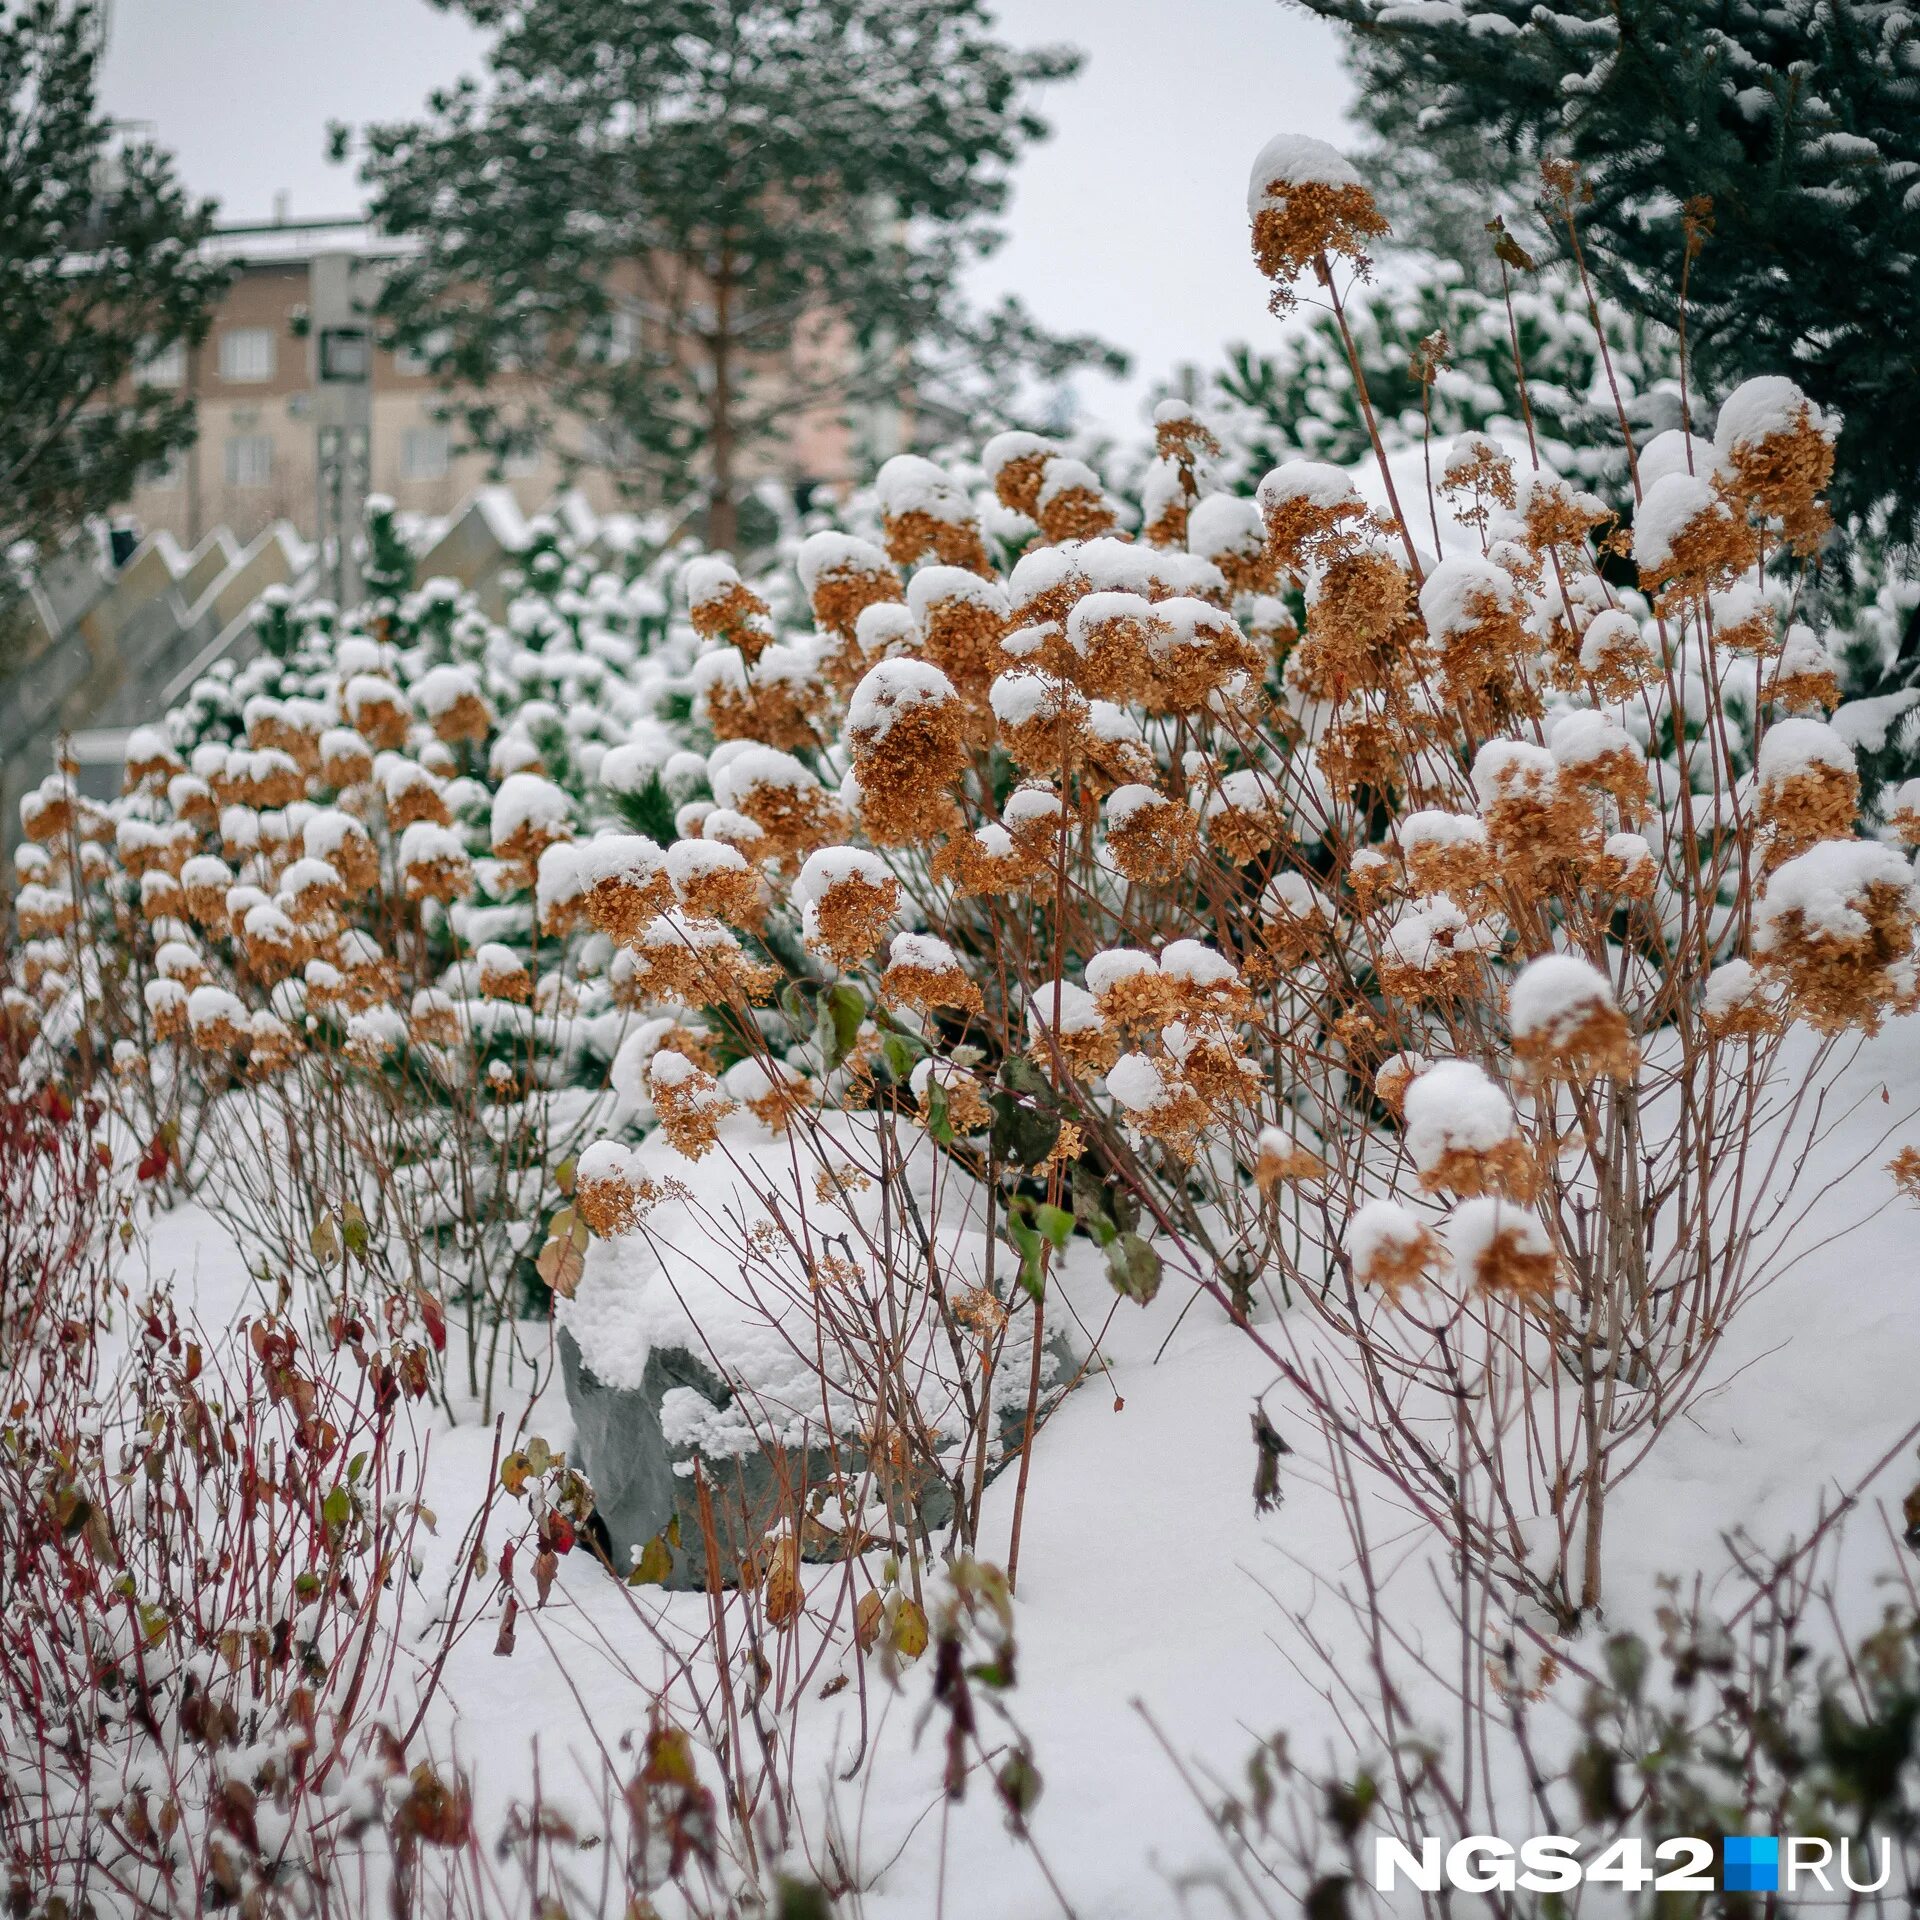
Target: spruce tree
688,219
1784,133
99,272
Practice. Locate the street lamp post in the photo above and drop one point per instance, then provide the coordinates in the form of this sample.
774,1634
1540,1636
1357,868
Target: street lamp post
342,348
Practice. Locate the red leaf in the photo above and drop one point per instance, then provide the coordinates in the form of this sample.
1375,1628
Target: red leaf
154,1163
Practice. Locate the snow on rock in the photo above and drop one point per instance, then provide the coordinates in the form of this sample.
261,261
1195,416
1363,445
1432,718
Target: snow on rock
718,1268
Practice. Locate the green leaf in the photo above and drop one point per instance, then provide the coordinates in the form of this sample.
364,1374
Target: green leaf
655,1564
902,1053
324,1241
337,1509
1026,1237
1133,1267
1056,1223
837,1022
1022,1134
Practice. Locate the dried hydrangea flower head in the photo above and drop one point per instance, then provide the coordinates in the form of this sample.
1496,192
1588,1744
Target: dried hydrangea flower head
1776,448
1475,616
1502,1251
777,794
1231,533
1061,1017
1130,993
1309,207
843,576
926,515
622,880
846,898
1463,1135
1809,786
606,1193
906,728
1013,463
1689,541
722,607
1313,514
1476,480
713,881
1805,677
1197,650
962,619
1445,852
988,860
1616,657
1735,1004
1151,838
1566,1023
372,705
1159,1101
1537,819
924,971
1593,750
689,1102
1281,1161
449,696
1835,926
1070,503
1245,815
939,1086
1042,719
1391,1250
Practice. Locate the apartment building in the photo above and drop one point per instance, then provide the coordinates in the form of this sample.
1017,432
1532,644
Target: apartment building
253,378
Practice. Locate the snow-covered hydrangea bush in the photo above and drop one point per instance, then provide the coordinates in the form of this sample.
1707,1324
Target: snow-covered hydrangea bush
1394,904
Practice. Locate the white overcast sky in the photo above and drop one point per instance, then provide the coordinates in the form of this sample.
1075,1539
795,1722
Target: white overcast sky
1130,222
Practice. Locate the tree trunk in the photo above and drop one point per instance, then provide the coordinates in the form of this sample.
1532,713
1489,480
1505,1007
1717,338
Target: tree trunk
723,512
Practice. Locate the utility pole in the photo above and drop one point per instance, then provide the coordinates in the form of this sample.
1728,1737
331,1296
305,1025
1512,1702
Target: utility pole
342,348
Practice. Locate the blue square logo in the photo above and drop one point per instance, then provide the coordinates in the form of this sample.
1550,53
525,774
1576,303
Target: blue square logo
1750,1863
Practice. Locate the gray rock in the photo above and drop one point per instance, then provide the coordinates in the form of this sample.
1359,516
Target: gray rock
641,1500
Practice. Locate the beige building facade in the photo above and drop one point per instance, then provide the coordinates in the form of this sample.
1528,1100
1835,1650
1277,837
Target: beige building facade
252,381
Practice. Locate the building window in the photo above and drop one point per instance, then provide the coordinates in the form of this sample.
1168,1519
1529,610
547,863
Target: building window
615,338
166,472
417,362
249,459
163,366
246,353
425,453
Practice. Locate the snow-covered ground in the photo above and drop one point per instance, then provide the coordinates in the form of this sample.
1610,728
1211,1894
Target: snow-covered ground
1149,1586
